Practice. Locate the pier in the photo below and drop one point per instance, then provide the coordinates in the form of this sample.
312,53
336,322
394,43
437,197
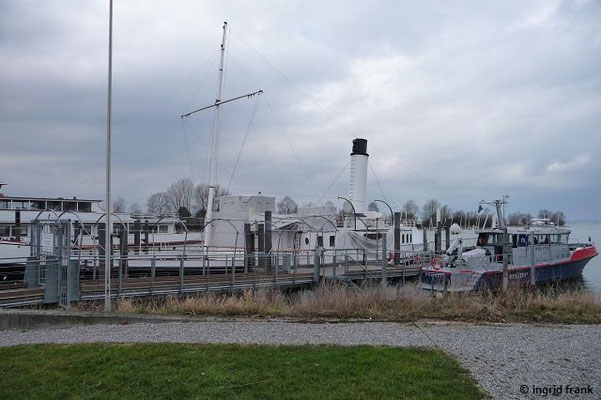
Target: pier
54,280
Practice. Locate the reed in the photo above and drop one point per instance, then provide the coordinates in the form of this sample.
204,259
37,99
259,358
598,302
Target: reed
392,303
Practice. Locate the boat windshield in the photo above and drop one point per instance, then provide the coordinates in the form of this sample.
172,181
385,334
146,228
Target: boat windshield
490,239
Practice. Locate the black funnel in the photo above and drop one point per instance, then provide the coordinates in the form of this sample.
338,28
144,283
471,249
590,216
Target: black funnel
360,147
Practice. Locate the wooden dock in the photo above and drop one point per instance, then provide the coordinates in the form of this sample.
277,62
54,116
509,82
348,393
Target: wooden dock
78,285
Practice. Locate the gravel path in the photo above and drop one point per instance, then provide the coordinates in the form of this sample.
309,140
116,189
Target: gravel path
500,357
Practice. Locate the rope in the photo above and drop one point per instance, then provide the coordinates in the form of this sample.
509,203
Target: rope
335,180
252,117
292,148
344,128
187,148
377,181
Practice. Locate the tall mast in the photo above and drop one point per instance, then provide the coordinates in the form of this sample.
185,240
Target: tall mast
108,243
215,145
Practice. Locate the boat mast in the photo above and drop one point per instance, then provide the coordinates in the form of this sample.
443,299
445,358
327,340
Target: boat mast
108,243
215,145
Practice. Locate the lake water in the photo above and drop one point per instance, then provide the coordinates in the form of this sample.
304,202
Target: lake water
592,272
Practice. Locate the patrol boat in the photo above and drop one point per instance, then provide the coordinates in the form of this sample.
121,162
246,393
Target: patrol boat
538,253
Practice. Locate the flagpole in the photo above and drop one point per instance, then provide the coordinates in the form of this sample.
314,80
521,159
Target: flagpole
108,243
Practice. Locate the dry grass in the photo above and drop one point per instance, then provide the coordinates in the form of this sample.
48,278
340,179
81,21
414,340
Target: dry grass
383,303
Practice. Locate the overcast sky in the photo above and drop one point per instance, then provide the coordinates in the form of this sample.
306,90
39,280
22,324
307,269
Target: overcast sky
459,101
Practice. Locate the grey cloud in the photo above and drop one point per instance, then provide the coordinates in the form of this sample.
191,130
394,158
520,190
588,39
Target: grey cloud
458,101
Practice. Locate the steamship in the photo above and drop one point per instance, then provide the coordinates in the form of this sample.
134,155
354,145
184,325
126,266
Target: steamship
361,234
18,213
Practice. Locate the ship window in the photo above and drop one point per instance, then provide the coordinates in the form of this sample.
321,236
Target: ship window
332,240
5,230
3,204
54,205
307,241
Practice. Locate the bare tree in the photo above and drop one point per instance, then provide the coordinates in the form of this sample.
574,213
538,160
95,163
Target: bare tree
558,217
181,194
287,206
429,211
119,205
201,196
135,208
411,209
519,218
159,204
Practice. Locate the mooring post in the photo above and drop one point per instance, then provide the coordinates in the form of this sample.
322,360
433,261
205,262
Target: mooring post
532,260
146,237
505,261
261,244
268,238
137,236
447,236
397,238
124,250
437,239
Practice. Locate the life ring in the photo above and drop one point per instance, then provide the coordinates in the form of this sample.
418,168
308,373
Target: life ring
436,264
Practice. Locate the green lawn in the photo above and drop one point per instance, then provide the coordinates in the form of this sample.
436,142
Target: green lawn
179,371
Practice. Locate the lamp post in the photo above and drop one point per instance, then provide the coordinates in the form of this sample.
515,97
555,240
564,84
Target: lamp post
108,244
352,206
388,205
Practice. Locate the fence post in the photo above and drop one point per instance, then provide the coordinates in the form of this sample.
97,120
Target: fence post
32,272
444,285
207,275
233,271
51,282
316,267
73,293
334,265
505,261
152,273
181,275
276,266
119,276
384,263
